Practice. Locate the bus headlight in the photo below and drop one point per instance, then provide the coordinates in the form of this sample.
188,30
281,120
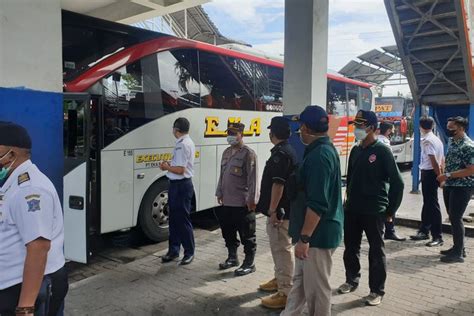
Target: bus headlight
397,150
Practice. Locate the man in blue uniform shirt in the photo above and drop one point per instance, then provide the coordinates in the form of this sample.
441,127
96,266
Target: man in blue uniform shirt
32,273
180,194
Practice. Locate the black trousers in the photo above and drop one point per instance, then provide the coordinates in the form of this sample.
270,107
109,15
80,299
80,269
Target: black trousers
50,301
456,200
180,196
373,226
431,213
390,226
235,220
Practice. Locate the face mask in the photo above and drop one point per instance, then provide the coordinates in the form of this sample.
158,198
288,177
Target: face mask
5,170
360,133
232,140
452,133
301,138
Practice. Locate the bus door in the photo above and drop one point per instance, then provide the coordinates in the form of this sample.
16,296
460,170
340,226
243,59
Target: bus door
76,199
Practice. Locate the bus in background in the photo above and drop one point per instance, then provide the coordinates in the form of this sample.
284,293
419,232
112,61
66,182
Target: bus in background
123,89
398,111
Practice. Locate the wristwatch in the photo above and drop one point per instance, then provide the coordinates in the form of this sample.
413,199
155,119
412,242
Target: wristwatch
448,175
305,239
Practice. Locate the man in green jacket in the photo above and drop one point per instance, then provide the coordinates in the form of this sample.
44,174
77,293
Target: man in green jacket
374,192
316,216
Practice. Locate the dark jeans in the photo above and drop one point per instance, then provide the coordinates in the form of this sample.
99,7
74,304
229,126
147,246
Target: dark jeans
456,200
354,225
431,213
180,195
50,301
235,220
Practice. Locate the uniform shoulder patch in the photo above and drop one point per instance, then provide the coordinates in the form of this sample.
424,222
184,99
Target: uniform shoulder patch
33,201
24,177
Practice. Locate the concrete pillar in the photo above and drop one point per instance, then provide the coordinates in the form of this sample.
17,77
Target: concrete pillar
306,50
31,44
415,170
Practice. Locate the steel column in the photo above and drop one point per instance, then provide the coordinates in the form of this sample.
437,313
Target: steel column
415,170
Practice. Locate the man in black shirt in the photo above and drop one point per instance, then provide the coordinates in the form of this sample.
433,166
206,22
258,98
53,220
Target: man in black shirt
275,204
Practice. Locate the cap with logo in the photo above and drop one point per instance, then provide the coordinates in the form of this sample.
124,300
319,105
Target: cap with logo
315,117
235,127
14,135
367,118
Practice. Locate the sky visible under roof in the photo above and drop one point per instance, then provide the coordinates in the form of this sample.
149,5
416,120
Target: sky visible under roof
355,27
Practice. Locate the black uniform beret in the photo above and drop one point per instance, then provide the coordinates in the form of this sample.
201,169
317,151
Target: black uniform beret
14,135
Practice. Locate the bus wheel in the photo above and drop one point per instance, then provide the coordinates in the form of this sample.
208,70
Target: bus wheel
154,212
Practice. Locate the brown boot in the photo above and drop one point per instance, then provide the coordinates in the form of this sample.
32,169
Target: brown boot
270,286
275,301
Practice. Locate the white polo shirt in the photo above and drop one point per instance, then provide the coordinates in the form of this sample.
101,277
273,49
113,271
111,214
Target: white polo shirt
29,209
183,156
430,145
384,140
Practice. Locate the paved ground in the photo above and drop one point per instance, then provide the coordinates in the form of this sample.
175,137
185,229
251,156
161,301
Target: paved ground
417,284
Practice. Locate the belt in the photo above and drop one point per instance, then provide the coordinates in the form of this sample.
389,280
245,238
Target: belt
427,170
179,180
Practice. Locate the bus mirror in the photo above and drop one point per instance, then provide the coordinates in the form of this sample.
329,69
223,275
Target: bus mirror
116,76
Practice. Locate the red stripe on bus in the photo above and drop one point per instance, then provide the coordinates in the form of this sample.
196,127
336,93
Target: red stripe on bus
136,52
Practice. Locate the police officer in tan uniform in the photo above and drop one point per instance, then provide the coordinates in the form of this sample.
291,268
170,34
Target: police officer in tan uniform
237,193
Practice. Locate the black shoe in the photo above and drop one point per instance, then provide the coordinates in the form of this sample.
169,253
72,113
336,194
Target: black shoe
450,251
420,236
168,258
229,263
186,260
452,259
435,242
394,236
245,269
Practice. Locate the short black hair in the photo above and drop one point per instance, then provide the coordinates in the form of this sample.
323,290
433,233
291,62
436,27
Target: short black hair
426,122
384,127
182,125
282,134
459,121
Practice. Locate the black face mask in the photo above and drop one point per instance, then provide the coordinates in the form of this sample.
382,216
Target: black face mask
451,132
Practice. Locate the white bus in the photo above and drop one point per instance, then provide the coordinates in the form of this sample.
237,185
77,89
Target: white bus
124,87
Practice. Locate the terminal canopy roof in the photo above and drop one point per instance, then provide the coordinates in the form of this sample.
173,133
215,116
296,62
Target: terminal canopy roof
432,37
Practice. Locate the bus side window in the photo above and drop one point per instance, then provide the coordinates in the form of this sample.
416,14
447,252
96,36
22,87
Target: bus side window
179,79
336,98
352,99
365,96
132,98
269,88
226,83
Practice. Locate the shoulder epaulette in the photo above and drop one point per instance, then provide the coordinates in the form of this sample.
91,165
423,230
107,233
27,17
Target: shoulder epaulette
24,177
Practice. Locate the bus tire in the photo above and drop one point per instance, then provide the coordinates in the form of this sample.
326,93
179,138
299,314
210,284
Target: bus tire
153,216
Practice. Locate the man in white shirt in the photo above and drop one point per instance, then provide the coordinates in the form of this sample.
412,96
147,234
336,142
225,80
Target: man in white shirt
431,166
385,131
33,279
180,194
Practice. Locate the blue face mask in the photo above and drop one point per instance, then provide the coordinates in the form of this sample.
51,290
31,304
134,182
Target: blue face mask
5,170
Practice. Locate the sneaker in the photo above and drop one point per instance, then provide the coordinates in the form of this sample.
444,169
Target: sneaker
275,301
270,286
346,288
420,236
373,299
452,259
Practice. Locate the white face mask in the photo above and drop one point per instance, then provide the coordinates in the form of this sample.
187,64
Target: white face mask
360,133
232,140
